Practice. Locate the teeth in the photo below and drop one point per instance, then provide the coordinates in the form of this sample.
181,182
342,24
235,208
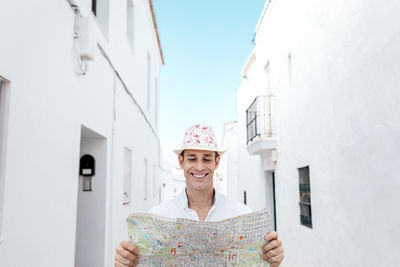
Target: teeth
199,176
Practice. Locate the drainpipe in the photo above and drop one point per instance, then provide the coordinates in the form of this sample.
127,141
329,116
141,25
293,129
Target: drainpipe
80,58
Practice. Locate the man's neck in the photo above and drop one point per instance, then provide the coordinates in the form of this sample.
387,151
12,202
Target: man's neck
200,201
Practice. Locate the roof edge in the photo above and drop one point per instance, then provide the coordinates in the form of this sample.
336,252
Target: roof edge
261,18
248,63
153,15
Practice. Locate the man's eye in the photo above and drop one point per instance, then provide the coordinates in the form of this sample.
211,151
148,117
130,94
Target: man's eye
192,159
206,160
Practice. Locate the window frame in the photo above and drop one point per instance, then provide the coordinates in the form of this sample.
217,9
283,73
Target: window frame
127,177
130,24
146,179
149,93
305,197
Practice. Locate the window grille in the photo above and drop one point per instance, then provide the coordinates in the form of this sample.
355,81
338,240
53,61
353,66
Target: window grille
258,118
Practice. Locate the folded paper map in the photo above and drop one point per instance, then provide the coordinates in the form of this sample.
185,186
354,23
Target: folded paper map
166,241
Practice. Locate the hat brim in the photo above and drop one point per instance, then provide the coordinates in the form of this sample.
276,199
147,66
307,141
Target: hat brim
220,151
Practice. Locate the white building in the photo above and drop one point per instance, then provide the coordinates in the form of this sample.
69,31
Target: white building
173,182
77,77
229,161
318,115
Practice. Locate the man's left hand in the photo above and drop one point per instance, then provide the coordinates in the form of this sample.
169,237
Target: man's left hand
273,250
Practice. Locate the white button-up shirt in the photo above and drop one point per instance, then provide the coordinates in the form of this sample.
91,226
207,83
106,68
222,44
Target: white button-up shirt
222,208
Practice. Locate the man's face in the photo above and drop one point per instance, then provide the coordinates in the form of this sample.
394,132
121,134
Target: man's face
198,167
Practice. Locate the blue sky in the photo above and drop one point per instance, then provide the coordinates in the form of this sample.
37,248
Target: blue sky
205,45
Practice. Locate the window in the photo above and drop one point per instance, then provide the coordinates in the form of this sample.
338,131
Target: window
3,137
159,194
127,185
154,181
290,67
94,7
156,103
1,165
100,10
148,81
130,22
245,197
267,78
305,197
146,179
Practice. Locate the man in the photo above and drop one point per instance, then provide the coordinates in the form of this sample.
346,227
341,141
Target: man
199,157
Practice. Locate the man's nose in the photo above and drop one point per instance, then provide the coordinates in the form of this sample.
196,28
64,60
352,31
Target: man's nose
199,166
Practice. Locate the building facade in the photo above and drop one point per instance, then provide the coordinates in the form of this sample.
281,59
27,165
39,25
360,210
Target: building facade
318,129
79,128
173,182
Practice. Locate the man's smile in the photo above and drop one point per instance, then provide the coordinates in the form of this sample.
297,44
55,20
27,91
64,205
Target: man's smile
199,175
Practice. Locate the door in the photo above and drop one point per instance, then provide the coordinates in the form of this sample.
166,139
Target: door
274,199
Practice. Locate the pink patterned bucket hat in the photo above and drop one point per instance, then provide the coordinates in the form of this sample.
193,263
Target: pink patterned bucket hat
200,137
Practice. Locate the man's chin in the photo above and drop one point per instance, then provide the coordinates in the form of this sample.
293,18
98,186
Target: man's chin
199,185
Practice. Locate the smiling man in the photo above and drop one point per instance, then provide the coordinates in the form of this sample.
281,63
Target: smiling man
199,157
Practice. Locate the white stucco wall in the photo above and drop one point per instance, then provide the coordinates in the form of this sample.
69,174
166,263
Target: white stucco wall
229,161
336,110
48,105
251,176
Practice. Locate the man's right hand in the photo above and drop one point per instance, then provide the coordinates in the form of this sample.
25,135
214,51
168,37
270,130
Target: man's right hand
126,255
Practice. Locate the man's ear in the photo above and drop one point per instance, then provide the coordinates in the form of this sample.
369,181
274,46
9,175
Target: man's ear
217,159
180,159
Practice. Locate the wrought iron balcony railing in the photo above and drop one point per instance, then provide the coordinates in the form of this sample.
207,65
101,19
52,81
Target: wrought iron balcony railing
258,118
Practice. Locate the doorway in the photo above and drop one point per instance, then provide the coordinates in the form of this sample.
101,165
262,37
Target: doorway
90,222
274,199
271,196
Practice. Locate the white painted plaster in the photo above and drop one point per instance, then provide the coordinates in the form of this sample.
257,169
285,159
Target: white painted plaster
48,104
336,111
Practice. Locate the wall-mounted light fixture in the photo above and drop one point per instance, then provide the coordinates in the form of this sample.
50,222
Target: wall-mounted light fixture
87,170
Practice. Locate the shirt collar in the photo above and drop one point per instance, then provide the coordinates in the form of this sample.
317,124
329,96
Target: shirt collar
184,203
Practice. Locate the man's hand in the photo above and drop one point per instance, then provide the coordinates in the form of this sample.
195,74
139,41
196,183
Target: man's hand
126,255
273,250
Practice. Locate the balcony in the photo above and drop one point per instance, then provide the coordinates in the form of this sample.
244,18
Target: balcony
260,138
